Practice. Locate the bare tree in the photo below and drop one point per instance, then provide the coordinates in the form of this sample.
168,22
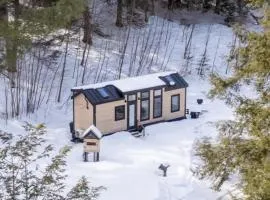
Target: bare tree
119,18
87,37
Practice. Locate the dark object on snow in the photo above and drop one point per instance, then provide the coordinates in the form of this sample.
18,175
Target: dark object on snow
140,128
199,101
85,156
164,169
187,111
194,115
71,127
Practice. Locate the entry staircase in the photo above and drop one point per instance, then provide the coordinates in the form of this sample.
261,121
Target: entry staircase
138,133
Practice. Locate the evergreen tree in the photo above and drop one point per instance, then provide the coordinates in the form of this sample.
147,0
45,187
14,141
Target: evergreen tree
22,21
83,192
21,177
243,145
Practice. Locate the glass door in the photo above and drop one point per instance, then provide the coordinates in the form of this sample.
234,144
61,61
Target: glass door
131,117
132,112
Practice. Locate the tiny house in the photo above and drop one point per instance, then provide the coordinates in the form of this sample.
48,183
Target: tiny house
127,104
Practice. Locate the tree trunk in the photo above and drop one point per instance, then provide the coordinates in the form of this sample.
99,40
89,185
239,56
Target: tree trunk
206,5
11,43
170,4
146,9
240,5
131,7
119,20
217,7
87,35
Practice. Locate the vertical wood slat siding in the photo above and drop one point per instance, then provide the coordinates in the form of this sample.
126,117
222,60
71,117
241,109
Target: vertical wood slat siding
91,148
168,115
105,115
83,116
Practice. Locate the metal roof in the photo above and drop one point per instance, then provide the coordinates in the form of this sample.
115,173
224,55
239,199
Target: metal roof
117,89
90,132
96,98
178,80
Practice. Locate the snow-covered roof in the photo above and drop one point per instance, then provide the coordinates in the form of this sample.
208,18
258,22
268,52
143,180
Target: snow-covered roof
131,84
94,130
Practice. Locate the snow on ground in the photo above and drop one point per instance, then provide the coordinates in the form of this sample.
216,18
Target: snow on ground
129,166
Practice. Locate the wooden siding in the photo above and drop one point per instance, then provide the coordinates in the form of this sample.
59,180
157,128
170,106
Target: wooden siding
83,113
105,117
91,148
167,114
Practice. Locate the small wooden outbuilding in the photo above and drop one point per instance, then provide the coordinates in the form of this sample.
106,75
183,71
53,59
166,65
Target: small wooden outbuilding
91,142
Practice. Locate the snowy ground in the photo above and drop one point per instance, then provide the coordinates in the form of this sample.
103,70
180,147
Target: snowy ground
128,166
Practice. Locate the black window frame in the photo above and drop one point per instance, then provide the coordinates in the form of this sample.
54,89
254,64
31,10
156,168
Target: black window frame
148,95
178,96
131,95
161,102
145,99
115,109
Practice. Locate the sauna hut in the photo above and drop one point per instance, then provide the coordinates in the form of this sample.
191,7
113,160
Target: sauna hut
127,104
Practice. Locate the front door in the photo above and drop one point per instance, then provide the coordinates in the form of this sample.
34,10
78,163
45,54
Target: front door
132,108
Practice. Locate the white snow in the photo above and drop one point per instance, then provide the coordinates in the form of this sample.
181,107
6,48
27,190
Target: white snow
94,129
131,84
129,166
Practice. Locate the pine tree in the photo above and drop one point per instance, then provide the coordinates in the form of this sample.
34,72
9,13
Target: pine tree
22,21
243,145
83,192
21,177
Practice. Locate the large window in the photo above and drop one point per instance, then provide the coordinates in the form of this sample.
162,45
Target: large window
145,109
175,103
119,113
157,109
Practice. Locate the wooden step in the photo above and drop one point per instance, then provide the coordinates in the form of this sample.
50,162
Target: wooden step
136,134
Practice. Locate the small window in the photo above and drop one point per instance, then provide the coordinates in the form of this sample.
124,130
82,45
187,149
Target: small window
132,97
175,103
103,92
91,143
157,93
144,95
119,113
170,80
